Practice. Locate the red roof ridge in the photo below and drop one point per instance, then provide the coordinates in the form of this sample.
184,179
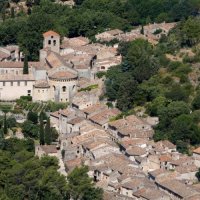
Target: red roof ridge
49,33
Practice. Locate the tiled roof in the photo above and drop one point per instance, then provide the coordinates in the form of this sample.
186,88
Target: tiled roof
126,142
177,188
135,151
11,64
187,169
152,194
55,114
157,172
50,33
165,158
193,197
134,183
104,116
71,164
76,120
76,41
94,108
3,55
62,75
42,84
197,150
49,148
54,60
22,77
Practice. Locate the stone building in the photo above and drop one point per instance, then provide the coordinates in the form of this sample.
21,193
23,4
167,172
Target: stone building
59,70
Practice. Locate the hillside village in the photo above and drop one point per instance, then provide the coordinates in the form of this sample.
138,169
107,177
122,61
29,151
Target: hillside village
121,155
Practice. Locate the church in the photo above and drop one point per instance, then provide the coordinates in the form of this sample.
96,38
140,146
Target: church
52,78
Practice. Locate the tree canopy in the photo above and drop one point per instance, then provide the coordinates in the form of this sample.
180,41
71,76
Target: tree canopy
24,176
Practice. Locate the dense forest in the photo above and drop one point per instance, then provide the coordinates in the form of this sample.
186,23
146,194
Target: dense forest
87,18
24,176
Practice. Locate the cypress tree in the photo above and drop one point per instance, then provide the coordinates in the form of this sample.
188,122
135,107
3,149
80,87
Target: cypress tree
25,68
3,14
142,30
12,12
47,136
29,11
1,138
41,131
5,127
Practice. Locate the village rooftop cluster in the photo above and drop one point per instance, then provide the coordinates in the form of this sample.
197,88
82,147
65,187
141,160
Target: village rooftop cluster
120,153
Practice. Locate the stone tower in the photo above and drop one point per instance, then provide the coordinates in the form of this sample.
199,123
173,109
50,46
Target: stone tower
52,41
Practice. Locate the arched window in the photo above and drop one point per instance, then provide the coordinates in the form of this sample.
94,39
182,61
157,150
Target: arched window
54,88
64,88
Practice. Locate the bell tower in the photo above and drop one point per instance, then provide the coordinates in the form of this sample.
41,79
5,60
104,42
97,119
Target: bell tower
51,41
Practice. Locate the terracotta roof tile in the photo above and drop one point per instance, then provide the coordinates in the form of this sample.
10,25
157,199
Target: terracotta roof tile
197,150
21,77
50,33
49,149
177,188
62,75
42,84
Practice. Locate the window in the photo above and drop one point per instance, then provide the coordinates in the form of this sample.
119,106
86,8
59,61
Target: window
11,83
29,91
102,67
54,42
4,83
42,91
18,83
25,83
49,42
52,36
64,88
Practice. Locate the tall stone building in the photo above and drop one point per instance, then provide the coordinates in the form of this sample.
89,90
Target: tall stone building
51,78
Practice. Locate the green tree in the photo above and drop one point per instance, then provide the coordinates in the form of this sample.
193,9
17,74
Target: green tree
25,67
12,12
198,175
5,127
81,186
183,128
32,116
177,93
1,138
196,102
142,30
182,146
30,129
28,176
42,141
47,133
11,122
